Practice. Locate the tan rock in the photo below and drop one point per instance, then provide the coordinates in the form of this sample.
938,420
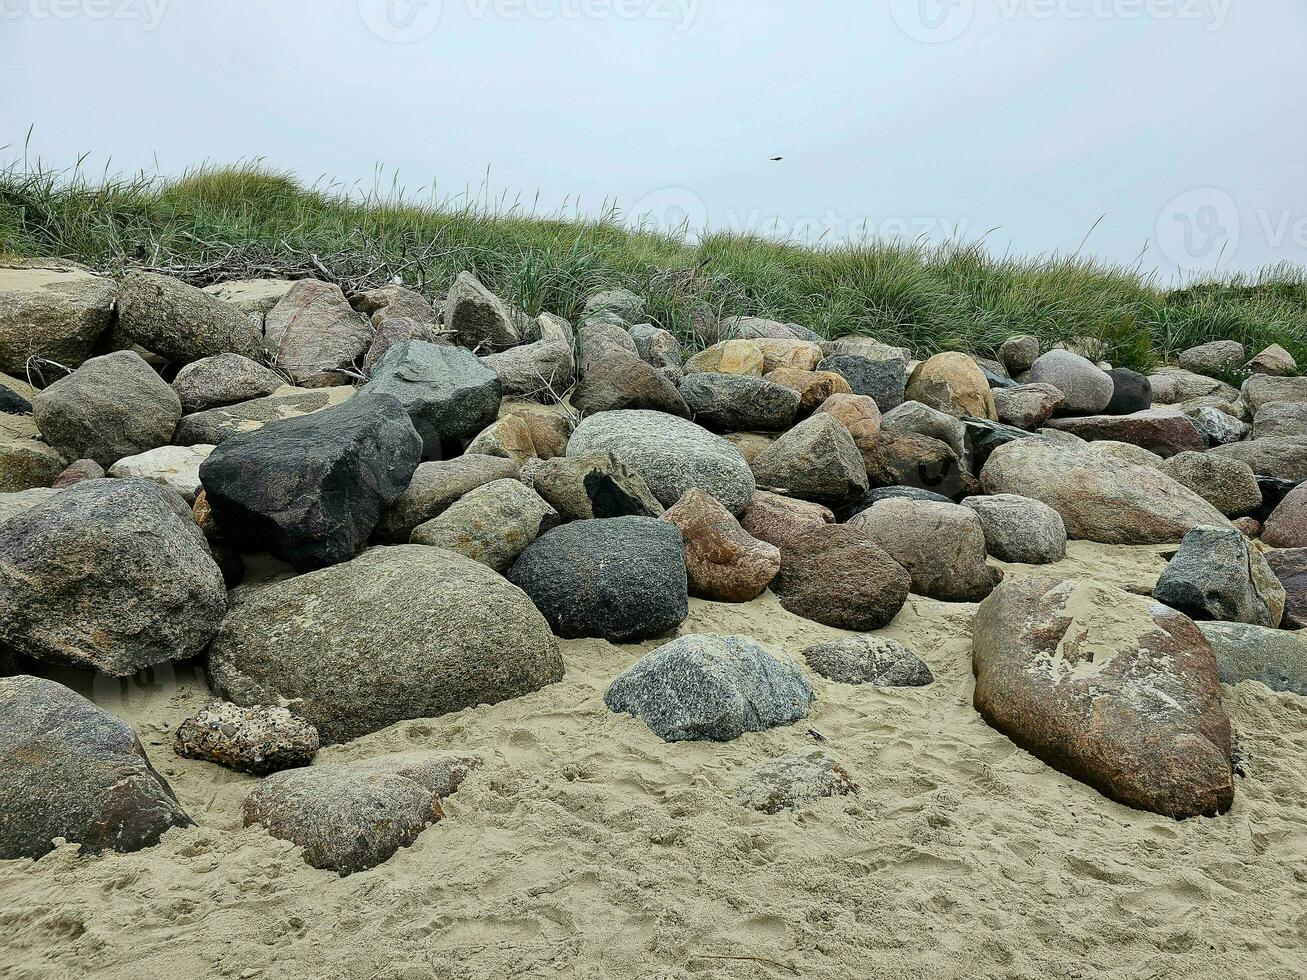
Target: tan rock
724,562
952,383
814,387
728,357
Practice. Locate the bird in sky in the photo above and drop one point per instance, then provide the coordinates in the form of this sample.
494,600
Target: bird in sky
777,159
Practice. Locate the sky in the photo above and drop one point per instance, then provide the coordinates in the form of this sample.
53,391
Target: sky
1167,133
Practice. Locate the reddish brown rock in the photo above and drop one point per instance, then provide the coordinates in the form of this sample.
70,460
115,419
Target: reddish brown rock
780,520
1290,567
1111,688
1165,431
1287,525
77,471
908,459
724,562
837,576
1249,527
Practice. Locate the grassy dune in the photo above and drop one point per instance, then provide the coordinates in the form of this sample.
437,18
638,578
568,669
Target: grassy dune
233,222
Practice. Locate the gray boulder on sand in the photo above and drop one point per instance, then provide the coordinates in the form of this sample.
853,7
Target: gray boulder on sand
438,633
711,688
214,426
672,455
868,659
311,489
582,487
942,546
181,323
816,460
1087,388
51,310
1229,485
314,335
492,524
356,815
739,402
434,487
1110,688
1020,529
260,739
447,392
478,318
223,379
1217,574
110,575
1098,498
837,576
70,769
1276,658
110,407
620,579
791,781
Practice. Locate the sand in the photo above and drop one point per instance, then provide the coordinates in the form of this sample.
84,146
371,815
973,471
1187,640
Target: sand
587,848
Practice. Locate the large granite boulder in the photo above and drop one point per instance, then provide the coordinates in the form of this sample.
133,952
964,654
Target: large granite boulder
110,407
1287,525
1019,529
952,383
1098,498
397,633
1244,652
837,576
723,561
434,487
109,575
1164,431
312,489
711,688
673,455
739,402
478,318
56,311
779,520
223,379
1088,389
1282,459
181,323
544,369
1229,485
314,335
1215,357
70,769
1281,420
1111,688
913,417
817,460
214,426
909,459
942,546
492,524
1262,389
621,579
1217,574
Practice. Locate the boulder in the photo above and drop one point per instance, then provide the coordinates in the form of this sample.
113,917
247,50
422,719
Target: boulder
223,379
1281,420
21,501
942,546
311,490
1218,574
872,497
110,407
1019,529
984,436
434,487
658,348
394,330
1254,653
724,563
255,296
1274,361
447,392
258,740
711,688
779,520
1027,406
760,328
951,383
884,380
181,323
174,467
492,524
1124,452
908,459
621,381
868,659
1290,567
837,576
741,357
1287,525
314,336
1216,357
1110,688
585,487
1099,499
784,352
70,769
478,318
1018,354
794,780
1132,392
816,460
812,387
620,579
1227,484
1175,385
524,437
1218,428
857,413
27,463
1163,431
215,426
437,632
109,575
79,470
622,302
735,402
1087,388
914,417
50,310
673,455
1262,389
544,369
1282,459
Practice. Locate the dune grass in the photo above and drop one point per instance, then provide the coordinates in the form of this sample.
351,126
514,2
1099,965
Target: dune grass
218,223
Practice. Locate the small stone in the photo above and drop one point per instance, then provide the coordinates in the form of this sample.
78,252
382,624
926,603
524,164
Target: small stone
875,660
77,471
1028,406
790,782
621,381
259,739
1274,361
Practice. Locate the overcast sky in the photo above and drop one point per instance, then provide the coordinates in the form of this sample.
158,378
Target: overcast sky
1183,123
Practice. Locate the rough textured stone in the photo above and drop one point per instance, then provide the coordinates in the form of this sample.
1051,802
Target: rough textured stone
951,382
760,328
884,380
174,467
872,497
812,387
314,335
621,579
1098,498
778,520
1109,688
394,330
1244,652
585,487
792,781
1290,567
869,659
1163,431
69,769
223,379
522,438
1274,361
728,357
942,546
216,425
858,413
711,688
984,436
1287,525
110,575
51,310
1227,484
1283,459
1088,389
1218,574
256,296
733,402
78,471
1214,357
1019,529
1262,389
623,302
915,417
1018,354
310,490
913,460
1027,406
438,633
21,501
478,318
544,369
181,323
258,740
492,524
784,352
816,460
1218,428
622,381
658,348
110,407
26,463
434,487
446,391
1280,420
1127,452
837,576
724,563
672,455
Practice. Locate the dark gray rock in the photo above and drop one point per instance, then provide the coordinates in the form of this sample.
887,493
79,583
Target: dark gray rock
312,489
1218,575
1244,652
739,402
984,436
12,403
711,688
1218,428
1131,392
884,381
223,379
869,659
215,426
621,579
70,769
